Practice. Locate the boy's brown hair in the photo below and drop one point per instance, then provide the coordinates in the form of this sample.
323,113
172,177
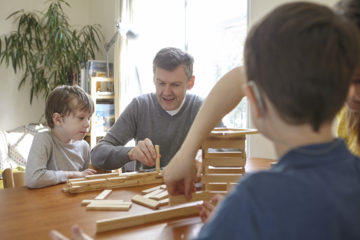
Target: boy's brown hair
302,56
61,101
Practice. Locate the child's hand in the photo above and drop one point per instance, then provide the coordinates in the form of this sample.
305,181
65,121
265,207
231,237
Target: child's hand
88,171
206,209
75,174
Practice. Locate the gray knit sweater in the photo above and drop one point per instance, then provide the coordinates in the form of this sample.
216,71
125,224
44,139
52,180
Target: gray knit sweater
145,118
49,158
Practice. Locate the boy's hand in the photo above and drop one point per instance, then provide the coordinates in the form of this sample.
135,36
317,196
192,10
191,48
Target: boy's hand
75,174
88,171
143,152
180,174
207,209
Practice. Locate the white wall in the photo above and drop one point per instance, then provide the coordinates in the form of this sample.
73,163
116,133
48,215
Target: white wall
259,145
103,12
15,108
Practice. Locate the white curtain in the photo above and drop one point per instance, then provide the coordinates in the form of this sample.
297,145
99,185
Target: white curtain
122,63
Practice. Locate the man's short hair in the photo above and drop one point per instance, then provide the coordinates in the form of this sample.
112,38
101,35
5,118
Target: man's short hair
302,56
61,101
171,58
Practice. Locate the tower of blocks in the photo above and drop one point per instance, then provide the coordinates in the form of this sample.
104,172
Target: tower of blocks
223,158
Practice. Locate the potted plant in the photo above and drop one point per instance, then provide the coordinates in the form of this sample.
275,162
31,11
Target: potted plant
47,49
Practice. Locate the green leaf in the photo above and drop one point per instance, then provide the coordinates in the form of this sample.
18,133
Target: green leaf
46,47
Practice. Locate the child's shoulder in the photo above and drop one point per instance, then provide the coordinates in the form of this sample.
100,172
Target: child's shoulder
45,135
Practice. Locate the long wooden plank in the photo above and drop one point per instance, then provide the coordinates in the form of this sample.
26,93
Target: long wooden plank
145,218
160,195
223,143
108,207
157,163
146,191
226,170
164,202
103,194
220,178
100,184
103,175
140,199
224,162
88,201
153,193
216,187
197,196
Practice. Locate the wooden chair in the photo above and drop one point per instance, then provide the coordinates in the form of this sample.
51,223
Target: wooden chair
13,179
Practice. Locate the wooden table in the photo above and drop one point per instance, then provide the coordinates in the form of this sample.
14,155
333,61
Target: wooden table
31,214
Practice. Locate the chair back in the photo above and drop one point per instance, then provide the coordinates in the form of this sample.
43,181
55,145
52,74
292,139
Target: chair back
13,179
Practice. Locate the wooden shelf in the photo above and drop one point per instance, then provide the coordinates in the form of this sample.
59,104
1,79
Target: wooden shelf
102,92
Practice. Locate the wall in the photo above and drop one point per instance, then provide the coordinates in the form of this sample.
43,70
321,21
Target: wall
15,105
259,145
103,13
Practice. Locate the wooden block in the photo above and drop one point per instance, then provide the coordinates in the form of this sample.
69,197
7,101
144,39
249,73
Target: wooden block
103,194
164,202
218,178
153,193
197,196
146,191
108,207
161,195
88,182
100,184
224,162
139,199
157,163
88,201
223,143
75,179
230,186
224,154
216,186
104,175
224,170
145,218
231,132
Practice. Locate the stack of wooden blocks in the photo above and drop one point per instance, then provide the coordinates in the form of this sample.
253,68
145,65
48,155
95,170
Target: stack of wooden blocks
223,158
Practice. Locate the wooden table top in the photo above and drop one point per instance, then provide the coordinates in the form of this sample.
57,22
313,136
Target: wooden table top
31,214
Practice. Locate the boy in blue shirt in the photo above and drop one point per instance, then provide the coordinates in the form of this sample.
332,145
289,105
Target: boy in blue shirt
299,62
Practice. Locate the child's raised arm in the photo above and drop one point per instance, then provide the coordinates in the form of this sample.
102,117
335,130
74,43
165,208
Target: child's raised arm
180,174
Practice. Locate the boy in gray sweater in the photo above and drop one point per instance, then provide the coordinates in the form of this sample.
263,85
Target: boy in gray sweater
61,153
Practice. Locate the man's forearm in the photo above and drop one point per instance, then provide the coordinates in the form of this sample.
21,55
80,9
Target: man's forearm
108,157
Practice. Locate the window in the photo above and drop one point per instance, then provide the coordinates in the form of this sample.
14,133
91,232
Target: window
212,31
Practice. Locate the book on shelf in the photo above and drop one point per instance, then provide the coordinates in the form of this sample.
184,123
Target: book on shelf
105,117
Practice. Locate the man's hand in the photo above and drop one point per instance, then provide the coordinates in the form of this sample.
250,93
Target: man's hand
180,174
206,210
143,152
